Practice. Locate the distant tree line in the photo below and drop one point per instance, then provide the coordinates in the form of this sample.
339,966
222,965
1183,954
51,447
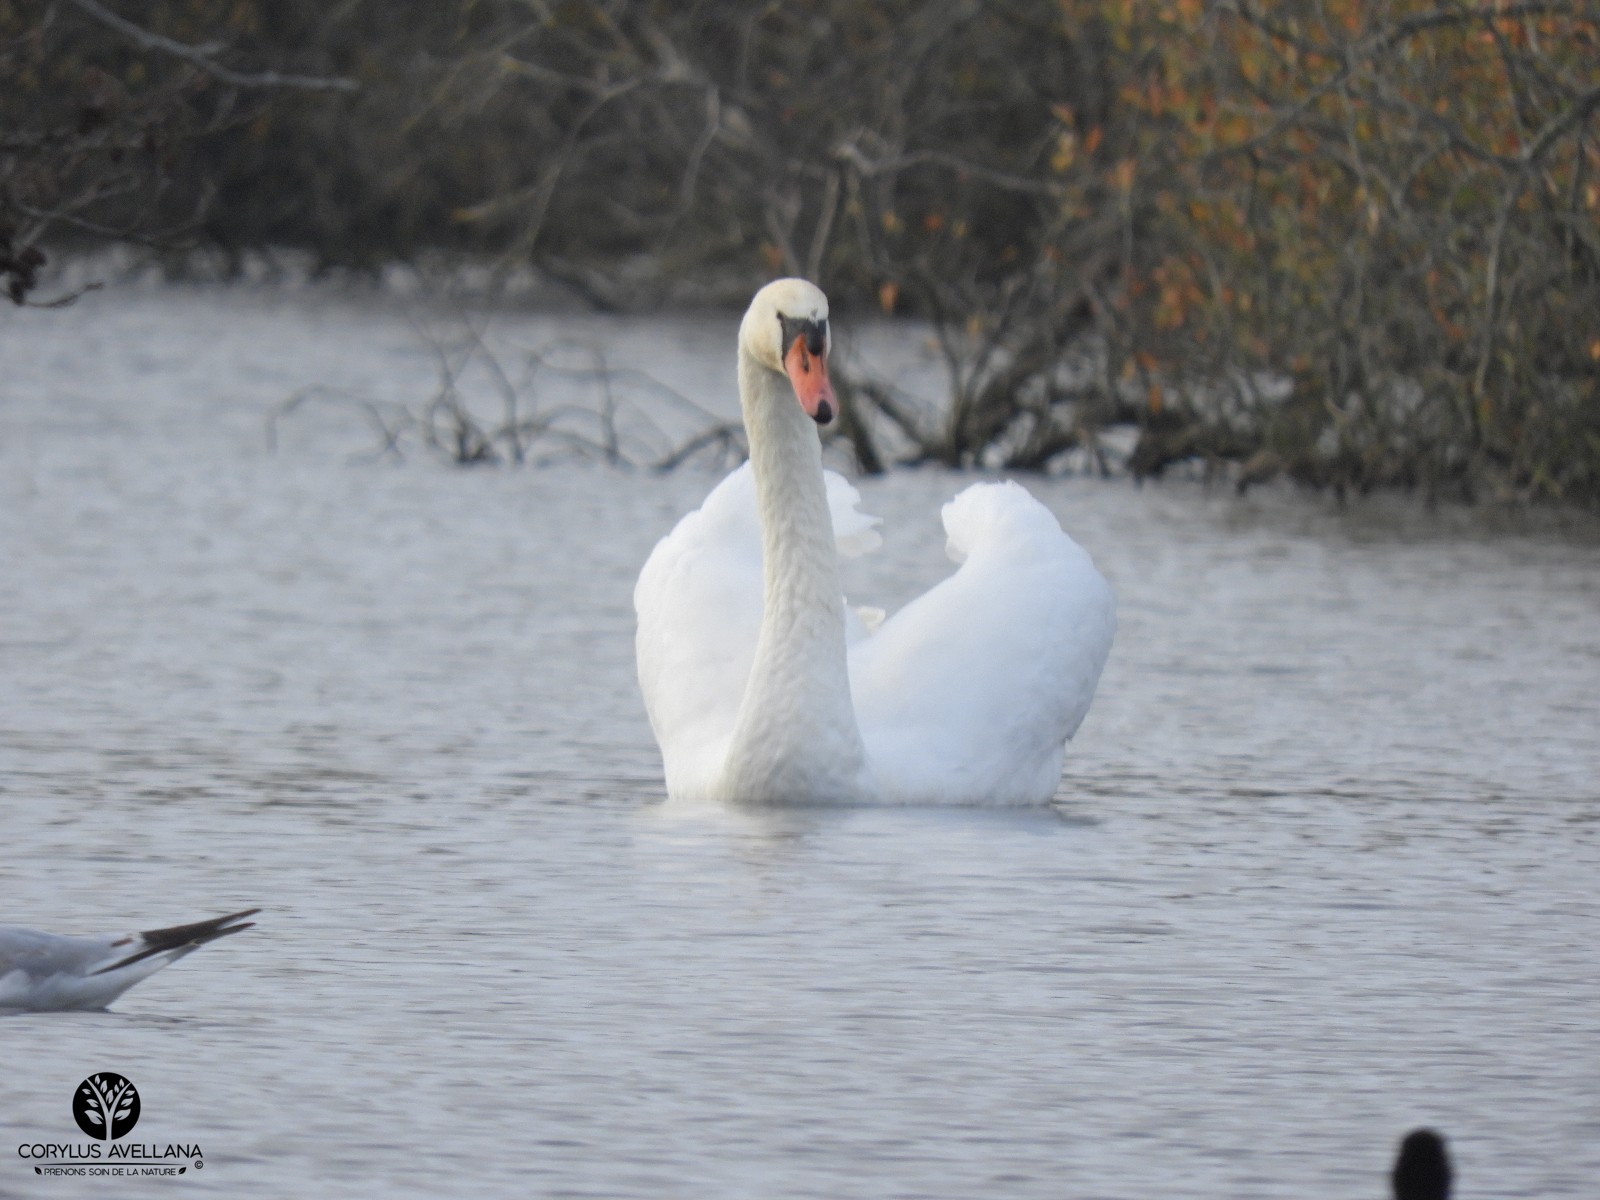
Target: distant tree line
1351,242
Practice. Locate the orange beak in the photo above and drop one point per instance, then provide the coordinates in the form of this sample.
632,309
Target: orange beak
809,374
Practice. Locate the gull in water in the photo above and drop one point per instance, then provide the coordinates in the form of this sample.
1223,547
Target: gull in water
49,972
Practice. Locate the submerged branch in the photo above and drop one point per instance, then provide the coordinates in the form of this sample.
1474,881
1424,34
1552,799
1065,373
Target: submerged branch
619,418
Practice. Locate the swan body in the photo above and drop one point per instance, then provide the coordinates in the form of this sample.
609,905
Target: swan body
52,972
763,686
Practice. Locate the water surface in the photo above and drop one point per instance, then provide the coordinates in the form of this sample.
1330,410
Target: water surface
1322,867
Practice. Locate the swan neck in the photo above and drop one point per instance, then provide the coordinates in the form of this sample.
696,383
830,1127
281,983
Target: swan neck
796,738
799,564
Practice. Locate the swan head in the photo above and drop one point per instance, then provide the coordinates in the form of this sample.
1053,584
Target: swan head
785,329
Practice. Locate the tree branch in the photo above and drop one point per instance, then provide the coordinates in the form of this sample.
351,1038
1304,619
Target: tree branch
201,56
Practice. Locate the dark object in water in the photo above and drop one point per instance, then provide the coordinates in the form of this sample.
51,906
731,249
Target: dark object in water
1422,1171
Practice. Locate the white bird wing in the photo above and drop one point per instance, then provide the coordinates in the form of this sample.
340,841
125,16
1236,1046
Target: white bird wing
49,972
970,692
699,603
37,966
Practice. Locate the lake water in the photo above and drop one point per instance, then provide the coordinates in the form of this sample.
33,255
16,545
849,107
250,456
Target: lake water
1324,864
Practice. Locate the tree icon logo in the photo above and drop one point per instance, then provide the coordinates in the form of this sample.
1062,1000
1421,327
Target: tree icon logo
106,1106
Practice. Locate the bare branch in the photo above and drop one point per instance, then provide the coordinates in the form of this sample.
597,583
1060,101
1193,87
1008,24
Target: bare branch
203,55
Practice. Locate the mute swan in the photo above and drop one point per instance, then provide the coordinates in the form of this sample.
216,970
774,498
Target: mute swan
47,972
763,687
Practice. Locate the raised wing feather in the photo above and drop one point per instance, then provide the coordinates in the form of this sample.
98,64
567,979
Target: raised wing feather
970,692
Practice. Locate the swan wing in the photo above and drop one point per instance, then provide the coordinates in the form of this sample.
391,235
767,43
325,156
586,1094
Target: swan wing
971,691
699,604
